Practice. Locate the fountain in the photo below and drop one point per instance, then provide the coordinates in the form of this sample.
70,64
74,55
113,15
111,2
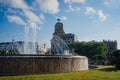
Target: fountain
29,46
60,61
59,47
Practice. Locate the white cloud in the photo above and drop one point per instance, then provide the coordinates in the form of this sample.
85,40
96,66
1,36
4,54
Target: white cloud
31,24
24,16
16,19
101,15
90,10
74,1
112,3
31,16
11,11
42,18
71,9
50,6
64,18
33,20
77,9
106,2
97,15
15,3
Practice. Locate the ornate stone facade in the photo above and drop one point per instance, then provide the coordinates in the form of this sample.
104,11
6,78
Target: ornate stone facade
68,38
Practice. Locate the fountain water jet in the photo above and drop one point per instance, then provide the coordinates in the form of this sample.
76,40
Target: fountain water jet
26,38
30,46
59,46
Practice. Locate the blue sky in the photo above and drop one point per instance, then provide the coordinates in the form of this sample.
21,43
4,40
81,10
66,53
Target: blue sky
88,19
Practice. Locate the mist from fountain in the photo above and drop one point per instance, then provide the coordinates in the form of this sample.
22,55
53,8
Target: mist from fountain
59,46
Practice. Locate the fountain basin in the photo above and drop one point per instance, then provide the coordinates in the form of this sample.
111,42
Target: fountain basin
41,64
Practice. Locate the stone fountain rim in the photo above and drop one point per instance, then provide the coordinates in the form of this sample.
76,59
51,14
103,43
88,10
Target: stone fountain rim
40,56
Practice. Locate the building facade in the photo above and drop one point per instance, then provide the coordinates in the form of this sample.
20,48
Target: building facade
60,40
42,48
111,44
11,47
15,47
67,37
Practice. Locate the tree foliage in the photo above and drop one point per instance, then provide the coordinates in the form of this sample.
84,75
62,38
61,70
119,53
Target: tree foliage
115,58
93,50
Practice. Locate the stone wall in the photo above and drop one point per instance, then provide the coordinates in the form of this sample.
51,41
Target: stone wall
30,64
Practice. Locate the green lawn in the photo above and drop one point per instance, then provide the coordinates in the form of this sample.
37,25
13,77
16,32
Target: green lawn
104,73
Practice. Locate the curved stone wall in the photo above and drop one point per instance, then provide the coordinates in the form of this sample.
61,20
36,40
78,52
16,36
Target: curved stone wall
37,64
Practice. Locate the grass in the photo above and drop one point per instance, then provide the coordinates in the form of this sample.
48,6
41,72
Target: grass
104,73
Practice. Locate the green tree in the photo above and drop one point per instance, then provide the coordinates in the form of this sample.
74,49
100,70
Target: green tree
115,58
93,50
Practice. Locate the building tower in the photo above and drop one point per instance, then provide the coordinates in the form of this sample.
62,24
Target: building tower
67,38
59,29
60,39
